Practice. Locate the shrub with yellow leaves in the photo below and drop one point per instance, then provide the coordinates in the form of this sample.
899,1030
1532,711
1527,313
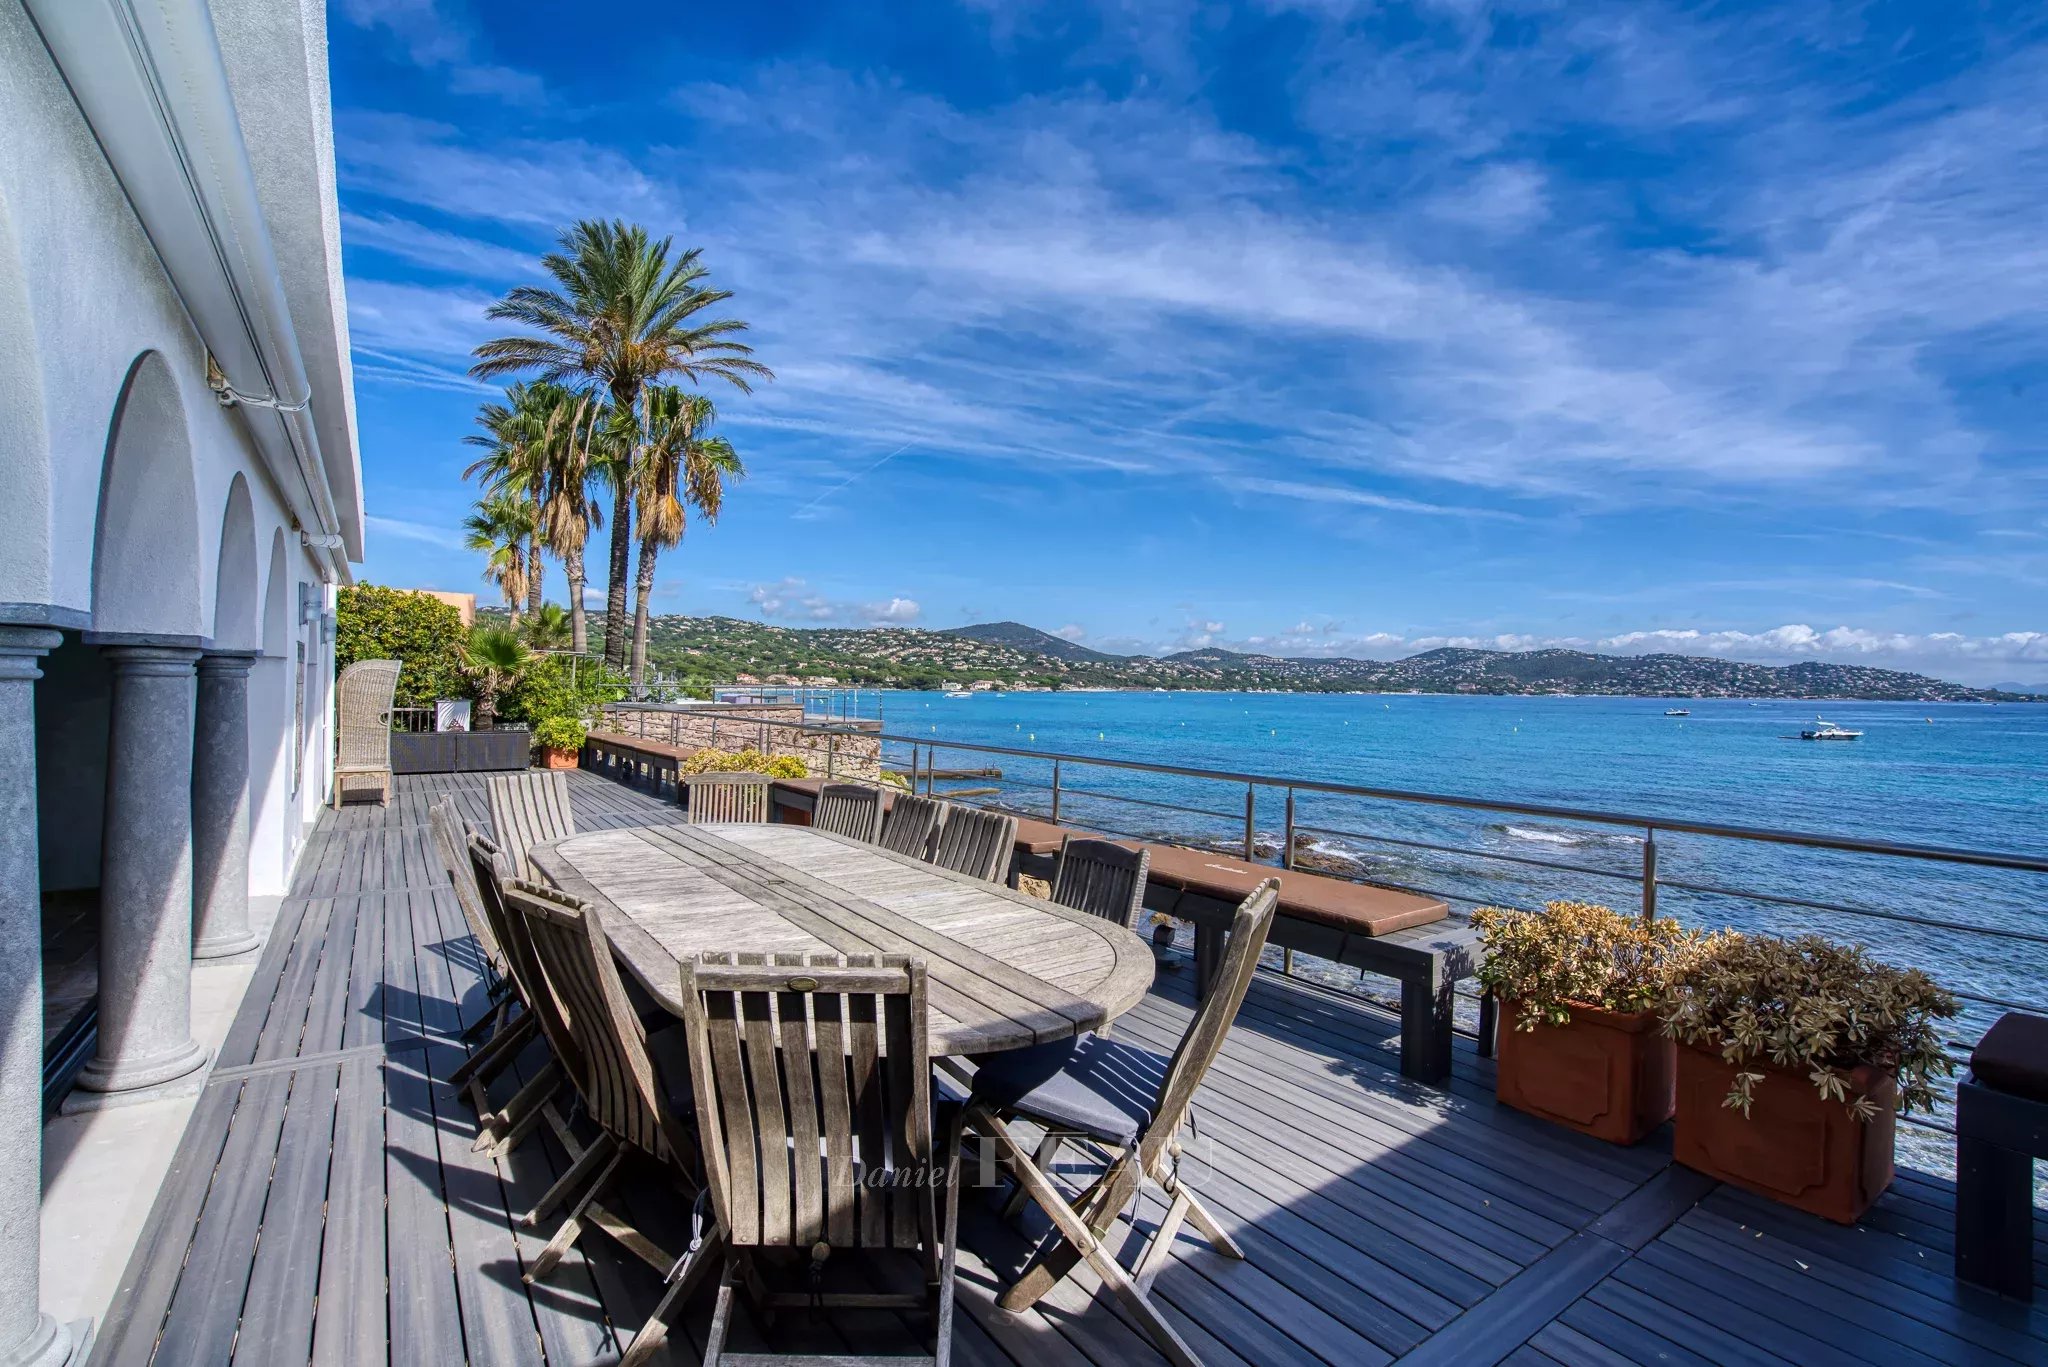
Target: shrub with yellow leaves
1577,953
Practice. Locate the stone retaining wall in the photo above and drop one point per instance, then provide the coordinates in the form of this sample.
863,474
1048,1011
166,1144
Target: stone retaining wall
767,728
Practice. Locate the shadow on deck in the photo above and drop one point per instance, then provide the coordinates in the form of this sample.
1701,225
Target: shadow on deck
324,1205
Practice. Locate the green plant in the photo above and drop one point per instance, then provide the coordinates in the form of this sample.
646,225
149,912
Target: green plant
1578,953
1812,1005
558,686
709,761
548,627
500,527
424,634
560,733
494,658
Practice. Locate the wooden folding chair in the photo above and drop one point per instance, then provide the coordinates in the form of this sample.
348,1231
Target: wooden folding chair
911,825
625,1095
502,1130
814,1106
450,835
528,809
976,843
1092,1101
725,797
849,809
1101,878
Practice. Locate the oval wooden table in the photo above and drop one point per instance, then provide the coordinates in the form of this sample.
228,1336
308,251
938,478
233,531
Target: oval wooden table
1005,971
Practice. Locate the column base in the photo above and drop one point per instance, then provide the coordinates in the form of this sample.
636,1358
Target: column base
121,1083
51,1344
227,946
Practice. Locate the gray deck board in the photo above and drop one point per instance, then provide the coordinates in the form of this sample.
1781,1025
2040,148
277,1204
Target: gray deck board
325,1204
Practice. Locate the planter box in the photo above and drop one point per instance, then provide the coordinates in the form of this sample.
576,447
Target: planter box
1606,1074
460,752
1795,1146
560,759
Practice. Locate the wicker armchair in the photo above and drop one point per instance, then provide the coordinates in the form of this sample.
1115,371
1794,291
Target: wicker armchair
362,723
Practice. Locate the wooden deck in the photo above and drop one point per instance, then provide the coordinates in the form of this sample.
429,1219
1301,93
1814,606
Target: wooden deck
324,1205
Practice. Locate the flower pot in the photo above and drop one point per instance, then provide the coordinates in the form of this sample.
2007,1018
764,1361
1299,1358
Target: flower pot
1607,1074
559,759
1795,1146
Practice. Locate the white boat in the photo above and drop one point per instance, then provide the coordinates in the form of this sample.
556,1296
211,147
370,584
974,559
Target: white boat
1823,729
956,697
1678,712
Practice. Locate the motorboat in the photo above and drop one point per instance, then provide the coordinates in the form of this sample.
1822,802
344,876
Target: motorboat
1823,729
1678,711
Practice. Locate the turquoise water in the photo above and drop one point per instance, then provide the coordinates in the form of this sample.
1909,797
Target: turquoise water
1957,775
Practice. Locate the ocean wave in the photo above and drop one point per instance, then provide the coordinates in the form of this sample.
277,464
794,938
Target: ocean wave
1550,835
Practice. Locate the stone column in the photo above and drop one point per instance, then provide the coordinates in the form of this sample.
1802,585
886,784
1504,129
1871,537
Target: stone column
220,808
146,1043
27,1335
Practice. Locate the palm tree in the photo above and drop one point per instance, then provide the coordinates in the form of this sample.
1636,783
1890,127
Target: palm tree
537,443
680,468
547,628
621,316
500,528
494,658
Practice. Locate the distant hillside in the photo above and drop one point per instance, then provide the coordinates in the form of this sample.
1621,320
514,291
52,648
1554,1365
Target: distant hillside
711,650
1017,636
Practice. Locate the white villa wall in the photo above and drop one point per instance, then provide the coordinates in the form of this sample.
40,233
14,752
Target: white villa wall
98,359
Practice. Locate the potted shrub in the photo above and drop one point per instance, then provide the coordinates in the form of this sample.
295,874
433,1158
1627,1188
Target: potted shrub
1580,1043
560,742
1794,1058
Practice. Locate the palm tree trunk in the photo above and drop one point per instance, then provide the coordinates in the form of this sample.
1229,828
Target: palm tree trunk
486,708
645,587
615,590
579,629
535,568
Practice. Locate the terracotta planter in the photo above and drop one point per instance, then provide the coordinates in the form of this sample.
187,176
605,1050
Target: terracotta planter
1606,1074
1795,1146
559,759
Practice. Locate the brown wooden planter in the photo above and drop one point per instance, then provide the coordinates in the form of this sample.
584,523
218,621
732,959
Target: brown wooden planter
1607,1074
559,759
1795,1146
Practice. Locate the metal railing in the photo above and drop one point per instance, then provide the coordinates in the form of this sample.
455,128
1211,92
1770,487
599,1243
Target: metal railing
1053,795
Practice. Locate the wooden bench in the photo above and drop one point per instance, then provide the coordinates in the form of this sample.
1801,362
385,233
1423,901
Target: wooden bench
1395,934
639,763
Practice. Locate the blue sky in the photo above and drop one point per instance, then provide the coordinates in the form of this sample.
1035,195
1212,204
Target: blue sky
1310,327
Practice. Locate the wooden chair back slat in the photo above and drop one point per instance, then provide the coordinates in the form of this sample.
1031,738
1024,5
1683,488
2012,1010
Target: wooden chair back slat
529,809
1249,927
1101,878
451,844
726,798
849,809
492,871
911,824
817,1073
618,1083
976,843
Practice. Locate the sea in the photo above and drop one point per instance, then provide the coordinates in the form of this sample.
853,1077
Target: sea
1970,776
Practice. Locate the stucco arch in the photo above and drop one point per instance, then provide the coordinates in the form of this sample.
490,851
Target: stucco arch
277,594
24,444
146,566
235,586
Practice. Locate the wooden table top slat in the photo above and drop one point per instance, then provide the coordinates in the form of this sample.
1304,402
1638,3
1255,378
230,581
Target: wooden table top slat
1006,970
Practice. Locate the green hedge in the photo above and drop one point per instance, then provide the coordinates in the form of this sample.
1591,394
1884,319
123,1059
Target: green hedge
424,634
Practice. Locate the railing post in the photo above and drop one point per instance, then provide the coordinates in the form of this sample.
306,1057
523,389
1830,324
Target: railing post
1287,848
831,755
1251,831
1649,872
1055,792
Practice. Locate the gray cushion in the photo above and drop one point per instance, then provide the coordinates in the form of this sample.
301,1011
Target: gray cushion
1106,1092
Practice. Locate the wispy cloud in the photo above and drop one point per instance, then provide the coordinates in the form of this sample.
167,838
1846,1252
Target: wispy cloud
443,538
795,600
433,39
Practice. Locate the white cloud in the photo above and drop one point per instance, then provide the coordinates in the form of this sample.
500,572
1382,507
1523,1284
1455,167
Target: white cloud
446,538
1071,632
795,599
435,249
436,41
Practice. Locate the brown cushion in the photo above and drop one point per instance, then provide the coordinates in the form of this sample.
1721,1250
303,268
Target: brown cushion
1040,837
2013,1056
1336,902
